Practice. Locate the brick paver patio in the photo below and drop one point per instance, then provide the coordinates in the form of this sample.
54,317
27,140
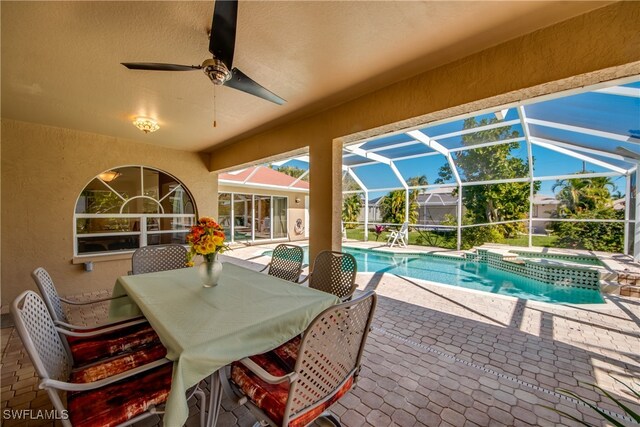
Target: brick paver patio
442,356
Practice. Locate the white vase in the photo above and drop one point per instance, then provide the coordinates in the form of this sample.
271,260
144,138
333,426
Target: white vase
210,272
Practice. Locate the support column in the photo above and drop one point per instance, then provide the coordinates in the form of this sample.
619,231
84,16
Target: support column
636,231
366,216
627,210
406,205
325,196
459,215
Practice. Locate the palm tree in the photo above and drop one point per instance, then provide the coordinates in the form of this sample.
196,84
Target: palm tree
351,207
583,194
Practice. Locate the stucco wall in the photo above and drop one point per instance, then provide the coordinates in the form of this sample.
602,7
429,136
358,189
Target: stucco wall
43,171
296,210
598,46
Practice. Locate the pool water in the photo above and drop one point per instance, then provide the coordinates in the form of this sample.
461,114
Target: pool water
467,274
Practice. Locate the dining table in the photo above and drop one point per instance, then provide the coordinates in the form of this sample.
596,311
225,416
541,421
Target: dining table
205,329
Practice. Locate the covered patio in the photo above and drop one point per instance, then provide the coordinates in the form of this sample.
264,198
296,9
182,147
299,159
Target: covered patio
438,355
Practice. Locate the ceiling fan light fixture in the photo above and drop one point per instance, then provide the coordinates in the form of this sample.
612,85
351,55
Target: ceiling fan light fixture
146,124
216,71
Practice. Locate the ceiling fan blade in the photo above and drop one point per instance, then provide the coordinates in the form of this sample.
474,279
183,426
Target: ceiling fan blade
154,66
223,31
241,81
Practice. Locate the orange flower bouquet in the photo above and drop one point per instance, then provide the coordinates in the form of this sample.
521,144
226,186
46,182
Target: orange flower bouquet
206,238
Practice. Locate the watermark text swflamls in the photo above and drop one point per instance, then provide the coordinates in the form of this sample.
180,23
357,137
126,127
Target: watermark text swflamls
34,414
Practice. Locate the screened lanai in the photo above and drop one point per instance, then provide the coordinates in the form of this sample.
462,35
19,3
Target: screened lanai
542,146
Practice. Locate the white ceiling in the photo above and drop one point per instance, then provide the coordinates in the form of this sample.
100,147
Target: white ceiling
61,60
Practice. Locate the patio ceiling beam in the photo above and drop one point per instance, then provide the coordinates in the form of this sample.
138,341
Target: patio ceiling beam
587,150
398,175
575,175
373,156
631,92
357,180
415,156
549,144
357,165
486,144
477,129
299,178
586,131
494,181
253,172
428,141
392,146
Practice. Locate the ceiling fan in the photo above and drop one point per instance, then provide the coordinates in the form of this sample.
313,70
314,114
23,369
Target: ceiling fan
221,45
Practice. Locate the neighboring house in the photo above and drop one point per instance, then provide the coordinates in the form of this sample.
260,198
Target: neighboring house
265,205
435,204
544,206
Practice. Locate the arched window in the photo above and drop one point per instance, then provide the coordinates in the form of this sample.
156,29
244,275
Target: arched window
128,207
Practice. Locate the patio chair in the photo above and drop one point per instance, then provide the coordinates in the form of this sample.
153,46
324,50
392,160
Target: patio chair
87,343
110,392
149,259
286,262
399,237
297,382
335,273
54,301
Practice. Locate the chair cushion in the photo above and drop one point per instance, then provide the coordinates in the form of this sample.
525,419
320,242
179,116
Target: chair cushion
116,365
272,398
87,350
116,403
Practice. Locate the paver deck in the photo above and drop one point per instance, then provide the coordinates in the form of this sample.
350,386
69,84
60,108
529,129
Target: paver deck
444,356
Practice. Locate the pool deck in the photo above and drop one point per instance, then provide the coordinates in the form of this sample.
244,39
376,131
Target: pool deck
444,356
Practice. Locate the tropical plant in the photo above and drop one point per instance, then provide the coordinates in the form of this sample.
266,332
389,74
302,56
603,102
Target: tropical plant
627,410
583,194
351,207
495,202
587,198
378,229
393,204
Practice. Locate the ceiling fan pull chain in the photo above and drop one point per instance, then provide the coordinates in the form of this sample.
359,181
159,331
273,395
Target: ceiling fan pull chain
214,106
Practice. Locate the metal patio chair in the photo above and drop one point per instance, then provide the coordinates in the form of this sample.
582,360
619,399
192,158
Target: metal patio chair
87,343
149,259
111,392
286,262
321,366
335,273
400,237
54,302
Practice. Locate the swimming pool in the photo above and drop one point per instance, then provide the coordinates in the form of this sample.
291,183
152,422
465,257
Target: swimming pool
467,274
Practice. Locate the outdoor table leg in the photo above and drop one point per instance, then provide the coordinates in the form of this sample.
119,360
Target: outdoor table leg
215,398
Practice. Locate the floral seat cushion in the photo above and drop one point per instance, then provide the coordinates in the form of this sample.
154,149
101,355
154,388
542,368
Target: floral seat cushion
118,402
116,365
86,350
272,398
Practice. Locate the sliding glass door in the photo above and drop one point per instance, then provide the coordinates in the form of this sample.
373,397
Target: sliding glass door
253,217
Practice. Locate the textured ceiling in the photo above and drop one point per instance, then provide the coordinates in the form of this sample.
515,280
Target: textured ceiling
61,60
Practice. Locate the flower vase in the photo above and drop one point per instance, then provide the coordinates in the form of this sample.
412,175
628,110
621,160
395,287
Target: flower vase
210,271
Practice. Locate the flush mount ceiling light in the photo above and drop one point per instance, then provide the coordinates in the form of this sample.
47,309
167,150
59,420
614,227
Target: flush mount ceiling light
109,176
146,124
